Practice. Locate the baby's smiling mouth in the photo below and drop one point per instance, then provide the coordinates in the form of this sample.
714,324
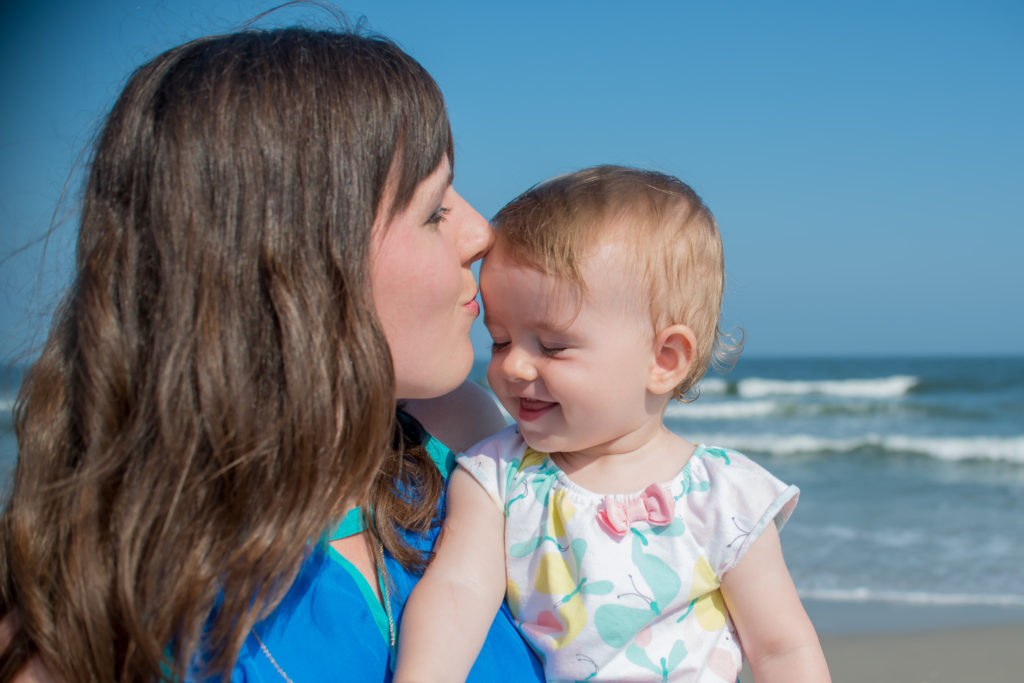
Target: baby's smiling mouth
532,408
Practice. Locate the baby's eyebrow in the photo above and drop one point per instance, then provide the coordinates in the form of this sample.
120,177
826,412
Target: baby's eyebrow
548,326
545,327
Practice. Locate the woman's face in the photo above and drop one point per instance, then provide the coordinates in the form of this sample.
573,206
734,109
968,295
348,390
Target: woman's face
423,289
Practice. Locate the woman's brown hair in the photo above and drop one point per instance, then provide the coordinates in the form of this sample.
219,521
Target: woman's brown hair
215,388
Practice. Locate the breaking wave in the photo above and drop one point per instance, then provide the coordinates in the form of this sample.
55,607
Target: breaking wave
952,449
882,387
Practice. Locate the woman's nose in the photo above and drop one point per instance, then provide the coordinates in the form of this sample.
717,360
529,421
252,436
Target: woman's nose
475,234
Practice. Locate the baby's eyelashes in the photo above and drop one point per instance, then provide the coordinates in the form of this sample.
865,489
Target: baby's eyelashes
544,349
551,350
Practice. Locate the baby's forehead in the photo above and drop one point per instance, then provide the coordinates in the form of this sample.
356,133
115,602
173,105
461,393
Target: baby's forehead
610,239
612,254
609,276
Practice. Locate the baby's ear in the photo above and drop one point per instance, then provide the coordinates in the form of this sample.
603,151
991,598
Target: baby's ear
674,349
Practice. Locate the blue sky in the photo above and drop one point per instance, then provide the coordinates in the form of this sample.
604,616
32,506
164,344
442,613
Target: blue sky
864,160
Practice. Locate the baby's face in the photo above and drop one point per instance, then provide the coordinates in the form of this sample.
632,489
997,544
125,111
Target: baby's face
571,370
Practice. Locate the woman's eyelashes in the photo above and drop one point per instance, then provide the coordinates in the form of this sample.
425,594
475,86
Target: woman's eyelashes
439,216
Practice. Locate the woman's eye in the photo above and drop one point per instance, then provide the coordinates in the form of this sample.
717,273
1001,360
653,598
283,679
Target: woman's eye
498,346
439,216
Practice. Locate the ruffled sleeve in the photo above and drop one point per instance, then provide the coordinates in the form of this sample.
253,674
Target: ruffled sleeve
730,502
494,463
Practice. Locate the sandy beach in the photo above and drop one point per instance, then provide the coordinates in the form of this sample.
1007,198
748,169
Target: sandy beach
962,655
882,642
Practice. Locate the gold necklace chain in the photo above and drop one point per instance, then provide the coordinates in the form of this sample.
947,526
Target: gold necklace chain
387,611
273,661
382,580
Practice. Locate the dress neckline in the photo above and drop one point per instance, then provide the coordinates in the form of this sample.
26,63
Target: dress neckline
568,484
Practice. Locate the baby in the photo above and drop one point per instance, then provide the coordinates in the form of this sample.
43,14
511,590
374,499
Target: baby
625,552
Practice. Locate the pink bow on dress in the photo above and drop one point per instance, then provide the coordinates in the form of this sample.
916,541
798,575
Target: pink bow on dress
655,505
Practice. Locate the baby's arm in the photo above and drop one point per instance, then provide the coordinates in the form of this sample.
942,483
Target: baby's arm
778,638
451,609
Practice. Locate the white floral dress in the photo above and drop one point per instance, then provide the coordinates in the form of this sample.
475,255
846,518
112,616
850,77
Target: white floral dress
626,587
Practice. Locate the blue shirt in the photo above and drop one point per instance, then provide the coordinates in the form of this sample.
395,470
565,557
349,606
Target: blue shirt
330,625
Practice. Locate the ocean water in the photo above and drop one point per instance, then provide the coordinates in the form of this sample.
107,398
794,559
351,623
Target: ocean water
911,470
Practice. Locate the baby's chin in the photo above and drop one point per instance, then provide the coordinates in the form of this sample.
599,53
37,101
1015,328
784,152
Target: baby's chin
544,443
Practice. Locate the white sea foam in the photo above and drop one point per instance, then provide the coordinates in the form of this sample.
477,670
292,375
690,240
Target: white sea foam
728,410
914,597
1010,449
883,537
1003,449
882,387
743,409
714,387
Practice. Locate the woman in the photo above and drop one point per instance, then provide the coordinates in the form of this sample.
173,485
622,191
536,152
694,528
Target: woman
219,387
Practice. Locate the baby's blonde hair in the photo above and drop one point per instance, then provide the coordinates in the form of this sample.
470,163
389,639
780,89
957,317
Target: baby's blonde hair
672,235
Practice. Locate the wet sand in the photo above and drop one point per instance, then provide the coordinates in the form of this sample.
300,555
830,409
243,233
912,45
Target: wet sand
961,655
919,644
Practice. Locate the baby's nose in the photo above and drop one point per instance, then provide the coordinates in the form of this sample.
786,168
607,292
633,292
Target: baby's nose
518,366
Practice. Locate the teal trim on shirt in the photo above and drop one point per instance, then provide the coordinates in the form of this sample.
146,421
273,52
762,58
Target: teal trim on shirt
352,523
442,456
380,617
